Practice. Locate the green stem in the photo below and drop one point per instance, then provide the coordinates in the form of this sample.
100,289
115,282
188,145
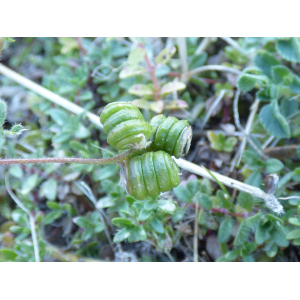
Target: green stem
118,159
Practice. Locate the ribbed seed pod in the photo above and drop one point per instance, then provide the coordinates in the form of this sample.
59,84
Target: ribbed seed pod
124,125
151,174
171,135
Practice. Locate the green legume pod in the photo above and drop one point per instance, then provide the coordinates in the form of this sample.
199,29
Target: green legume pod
171,135
124,125
151,174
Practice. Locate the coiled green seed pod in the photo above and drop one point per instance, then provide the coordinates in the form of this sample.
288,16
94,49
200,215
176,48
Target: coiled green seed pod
124,125
171,135
151,174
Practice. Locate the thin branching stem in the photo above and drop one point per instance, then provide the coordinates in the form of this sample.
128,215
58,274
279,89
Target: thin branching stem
233,44
212,108
239,126
31,218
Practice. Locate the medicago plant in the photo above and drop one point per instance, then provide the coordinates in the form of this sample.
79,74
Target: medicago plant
149,94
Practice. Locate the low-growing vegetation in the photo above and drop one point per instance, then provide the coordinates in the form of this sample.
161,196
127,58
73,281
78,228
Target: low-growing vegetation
196,157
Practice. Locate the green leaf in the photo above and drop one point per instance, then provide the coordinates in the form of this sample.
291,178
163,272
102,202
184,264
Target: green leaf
144,214
242,235
49,189
261,234
130,199
53,205
136,56
82,222
229,144
274,122
273,218
121,222
171,87
223,199
245,200
288,107
87,234
137,234
183,194
149,205
204,201
272,251
225,230
156,225
295,85
232,255
246,82
252,222
140,90
268,93
178,214
294,234
193,186
52,216
16,171
278,235
8,254
130,71
198,61
254,179
281,74
162,70
274,165
265,61
207,220
122,235
164,56
294,221
3,109
29,184
289,49
98,227
59,116
166,206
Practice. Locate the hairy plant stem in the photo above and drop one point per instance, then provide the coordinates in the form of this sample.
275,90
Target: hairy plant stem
118,159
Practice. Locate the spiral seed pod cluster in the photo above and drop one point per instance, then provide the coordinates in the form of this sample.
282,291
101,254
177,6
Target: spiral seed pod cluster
124,125
151,174
171,135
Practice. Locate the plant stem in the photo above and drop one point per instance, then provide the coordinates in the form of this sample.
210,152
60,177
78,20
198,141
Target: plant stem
239,126
233,44
212,108
203,45
31,219
48,94
183,57
269,199
238,156
67,160
212,68
256,192
196,233
151,71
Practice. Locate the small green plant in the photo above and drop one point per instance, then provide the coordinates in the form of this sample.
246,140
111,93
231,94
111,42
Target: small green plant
220,143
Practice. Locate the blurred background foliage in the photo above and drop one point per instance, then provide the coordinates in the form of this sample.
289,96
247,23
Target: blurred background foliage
82,214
